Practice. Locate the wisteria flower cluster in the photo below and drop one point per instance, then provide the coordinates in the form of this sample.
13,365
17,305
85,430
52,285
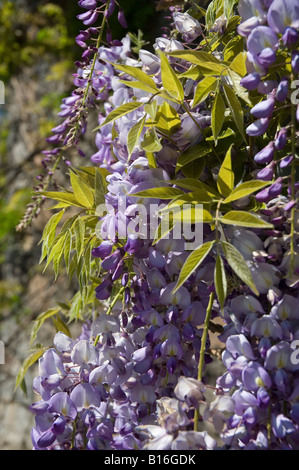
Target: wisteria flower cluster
201,128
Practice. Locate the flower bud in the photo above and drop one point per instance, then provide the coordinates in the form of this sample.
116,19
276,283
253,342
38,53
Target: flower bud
263,109
265,155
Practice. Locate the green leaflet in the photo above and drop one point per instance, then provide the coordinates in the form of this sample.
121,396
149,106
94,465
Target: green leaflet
82,192
226,177
238,265
220,281
167,119
137,73
68,199
203,89
79,231
236,109
134,135
192,263
195,185
245,189
238,64
218,115
244,219
191,154
151,142
121,111
28,362
39,321
163,192
170,80
100,188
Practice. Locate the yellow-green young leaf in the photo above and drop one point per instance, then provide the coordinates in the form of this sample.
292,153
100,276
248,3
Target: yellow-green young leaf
238,65
160,193
151,159
67,248
151,109
206,86
218,115
137,73
191,215
191,154
28,362
238,265
67,198
207,63
100,188
121,111
244,219
151,142
170,80
193,72
167,119
82,192
197,197
220,281
39,321
195,185
194,169
245,189
235,108
56,252
226,178
134,135
192,263
52,224
61,326
233,48
79,231
139,85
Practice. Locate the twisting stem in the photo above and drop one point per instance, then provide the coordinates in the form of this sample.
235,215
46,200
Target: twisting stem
203,350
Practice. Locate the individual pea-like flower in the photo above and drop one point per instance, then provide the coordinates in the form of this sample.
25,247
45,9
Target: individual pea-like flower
188,26
258,128
283,14
251,81
265,155
264,109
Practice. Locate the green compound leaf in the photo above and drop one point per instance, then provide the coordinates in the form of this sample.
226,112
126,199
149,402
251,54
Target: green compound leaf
218,116
82,191
163,192
121,111
226,177
245,189
134,136
235,108
28,362
170,80
192,263
244,219
238,265
220,281
206,86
